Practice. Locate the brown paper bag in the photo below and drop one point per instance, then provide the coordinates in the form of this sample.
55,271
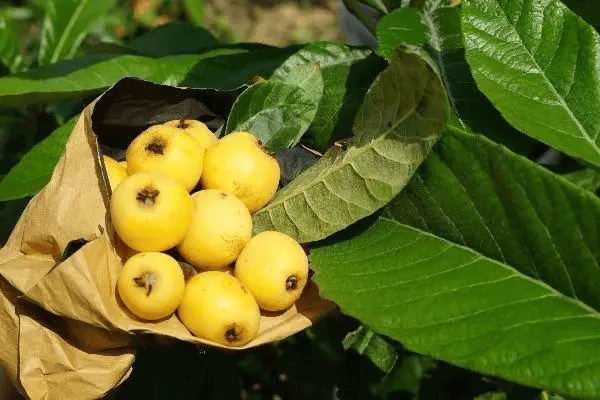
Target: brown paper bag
63,330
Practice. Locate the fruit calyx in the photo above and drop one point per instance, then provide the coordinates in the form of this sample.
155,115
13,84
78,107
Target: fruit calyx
183,123
146,280
233,333
147,196
156,146
291,283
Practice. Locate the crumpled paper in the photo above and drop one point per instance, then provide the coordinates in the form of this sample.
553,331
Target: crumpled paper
63,331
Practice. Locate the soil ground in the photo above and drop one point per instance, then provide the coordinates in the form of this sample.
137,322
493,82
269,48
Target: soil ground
274,22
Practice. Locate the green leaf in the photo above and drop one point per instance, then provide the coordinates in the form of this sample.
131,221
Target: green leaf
236,65
401,26
66,23
587,178
472,109
452,303
398,123
173,38
280,110
10,52
195,11
538,63
34,170
95,73
347,74
368,343
91,74
480,195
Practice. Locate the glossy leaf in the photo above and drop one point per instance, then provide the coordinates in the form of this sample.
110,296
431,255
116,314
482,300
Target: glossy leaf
347,74
66,23
452,303
398,123
480,195
471,108
280,110
538,63
91,74
368,343
34,170
95,73
401,26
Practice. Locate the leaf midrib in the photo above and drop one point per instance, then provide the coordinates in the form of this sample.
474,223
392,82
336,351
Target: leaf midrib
562,102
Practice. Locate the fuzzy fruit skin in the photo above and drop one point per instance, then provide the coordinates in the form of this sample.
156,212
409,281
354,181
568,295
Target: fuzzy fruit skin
181,158
215,304
238,164
221,227
151,225
115,171
268,264
163,297
197,129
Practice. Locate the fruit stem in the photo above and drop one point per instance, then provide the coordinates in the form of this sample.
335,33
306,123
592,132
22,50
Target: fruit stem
146,280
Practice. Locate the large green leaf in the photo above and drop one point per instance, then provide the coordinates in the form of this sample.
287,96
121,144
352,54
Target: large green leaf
35,168
538,63
347,74
470,106
480,195
450,302
66,23
91,74
280,110
223,68
398,123
401,26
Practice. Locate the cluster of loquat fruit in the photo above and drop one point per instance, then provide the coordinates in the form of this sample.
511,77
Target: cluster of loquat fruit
152,211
